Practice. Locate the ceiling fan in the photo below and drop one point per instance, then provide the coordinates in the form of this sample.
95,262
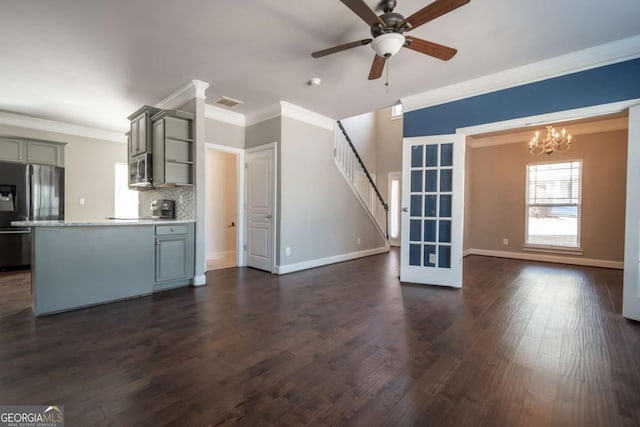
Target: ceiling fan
387,31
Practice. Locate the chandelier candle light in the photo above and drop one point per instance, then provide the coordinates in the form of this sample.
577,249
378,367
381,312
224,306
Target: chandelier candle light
553,142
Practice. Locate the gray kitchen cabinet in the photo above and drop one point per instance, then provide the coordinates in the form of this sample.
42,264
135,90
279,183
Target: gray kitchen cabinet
140,131
172,148
32,151
12,150
45,153
174,256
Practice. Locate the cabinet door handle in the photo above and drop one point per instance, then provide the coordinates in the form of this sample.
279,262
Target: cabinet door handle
173,229
269,216
405,209
157,243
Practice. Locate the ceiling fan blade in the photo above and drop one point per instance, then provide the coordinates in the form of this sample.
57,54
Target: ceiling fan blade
432,11
430,48
377,67
360,8
340,48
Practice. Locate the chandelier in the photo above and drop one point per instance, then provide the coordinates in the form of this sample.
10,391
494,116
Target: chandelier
553,142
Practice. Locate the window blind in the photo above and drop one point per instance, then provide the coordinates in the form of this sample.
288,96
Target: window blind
554,184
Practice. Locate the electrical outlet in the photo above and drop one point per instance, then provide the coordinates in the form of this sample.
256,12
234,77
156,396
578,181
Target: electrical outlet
181,198
287,251
81,201
433,258
358,240
505,241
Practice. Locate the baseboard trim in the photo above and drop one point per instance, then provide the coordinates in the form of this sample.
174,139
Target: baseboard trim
589,262
305,265
200,280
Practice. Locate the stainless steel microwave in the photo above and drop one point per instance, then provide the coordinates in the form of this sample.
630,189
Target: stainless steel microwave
140,171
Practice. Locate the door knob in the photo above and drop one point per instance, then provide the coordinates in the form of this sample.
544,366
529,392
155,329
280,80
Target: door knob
405,209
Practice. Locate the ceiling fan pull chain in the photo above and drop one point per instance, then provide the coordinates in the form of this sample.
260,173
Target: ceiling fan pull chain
387,82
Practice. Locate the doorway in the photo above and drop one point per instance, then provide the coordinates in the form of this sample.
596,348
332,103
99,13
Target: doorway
222,219
395,192
631,300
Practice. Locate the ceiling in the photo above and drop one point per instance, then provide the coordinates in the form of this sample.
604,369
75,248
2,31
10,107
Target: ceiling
93,62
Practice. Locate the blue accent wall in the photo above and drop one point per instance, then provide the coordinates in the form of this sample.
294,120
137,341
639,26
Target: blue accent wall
603,85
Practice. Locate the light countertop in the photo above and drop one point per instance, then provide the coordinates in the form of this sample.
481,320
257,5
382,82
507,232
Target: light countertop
106,222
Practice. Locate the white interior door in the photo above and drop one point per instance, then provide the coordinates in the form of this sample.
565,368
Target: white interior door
432,210
260,207
631,292
394,198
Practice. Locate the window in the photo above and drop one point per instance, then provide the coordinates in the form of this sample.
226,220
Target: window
396,111
126,201
553,204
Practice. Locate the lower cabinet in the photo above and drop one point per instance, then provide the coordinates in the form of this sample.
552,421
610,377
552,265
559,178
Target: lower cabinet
174,256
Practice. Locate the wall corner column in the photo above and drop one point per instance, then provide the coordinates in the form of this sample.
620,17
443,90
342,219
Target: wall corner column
200,156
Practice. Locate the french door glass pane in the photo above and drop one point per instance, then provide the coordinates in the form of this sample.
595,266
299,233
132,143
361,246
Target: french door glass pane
416,156
416,181
430,226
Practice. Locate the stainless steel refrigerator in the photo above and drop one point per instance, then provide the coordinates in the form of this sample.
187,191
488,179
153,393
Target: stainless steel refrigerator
27,192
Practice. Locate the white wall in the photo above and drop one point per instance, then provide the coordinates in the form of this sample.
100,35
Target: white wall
89,171
222,203
220,133
320,215
388,148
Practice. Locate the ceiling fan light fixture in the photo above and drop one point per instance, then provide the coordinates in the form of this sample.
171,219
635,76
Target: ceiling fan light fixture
388,44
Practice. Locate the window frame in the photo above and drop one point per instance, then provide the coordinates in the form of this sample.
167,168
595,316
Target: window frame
577,250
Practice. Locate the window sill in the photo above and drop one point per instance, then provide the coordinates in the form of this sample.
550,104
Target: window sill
396,117
553,249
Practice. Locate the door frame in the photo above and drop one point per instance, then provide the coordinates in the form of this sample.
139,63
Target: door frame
390,175
631,282
274,146
240,179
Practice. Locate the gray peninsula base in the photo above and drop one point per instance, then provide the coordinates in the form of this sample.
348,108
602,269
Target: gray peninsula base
75,265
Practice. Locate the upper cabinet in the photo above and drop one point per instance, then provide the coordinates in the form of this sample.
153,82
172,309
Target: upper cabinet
32,151
12,150
45,153
140,132
172,148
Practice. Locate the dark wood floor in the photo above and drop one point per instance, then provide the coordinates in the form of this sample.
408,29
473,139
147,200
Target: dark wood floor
522,344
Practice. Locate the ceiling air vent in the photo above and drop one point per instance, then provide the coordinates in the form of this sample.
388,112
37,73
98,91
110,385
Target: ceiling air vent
225,101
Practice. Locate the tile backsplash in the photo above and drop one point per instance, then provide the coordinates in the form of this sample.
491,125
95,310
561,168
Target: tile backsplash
185,209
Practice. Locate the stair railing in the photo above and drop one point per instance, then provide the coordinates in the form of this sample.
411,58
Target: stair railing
352,167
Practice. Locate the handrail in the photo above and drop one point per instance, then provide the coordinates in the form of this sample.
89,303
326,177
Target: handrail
364,168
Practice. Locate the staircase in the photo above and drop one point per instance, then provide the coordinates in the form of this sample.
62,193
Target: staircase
353,169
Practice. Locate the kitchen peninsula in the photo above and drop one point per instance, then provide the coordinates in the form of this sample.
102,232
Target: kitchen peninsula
78,264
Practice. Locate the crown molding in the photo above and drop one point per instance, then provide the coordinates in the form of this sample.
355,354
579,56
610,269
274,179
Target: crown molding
28,122
283,108
597,56
307,116
187,92
261,115
551,118
220,114
609,125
